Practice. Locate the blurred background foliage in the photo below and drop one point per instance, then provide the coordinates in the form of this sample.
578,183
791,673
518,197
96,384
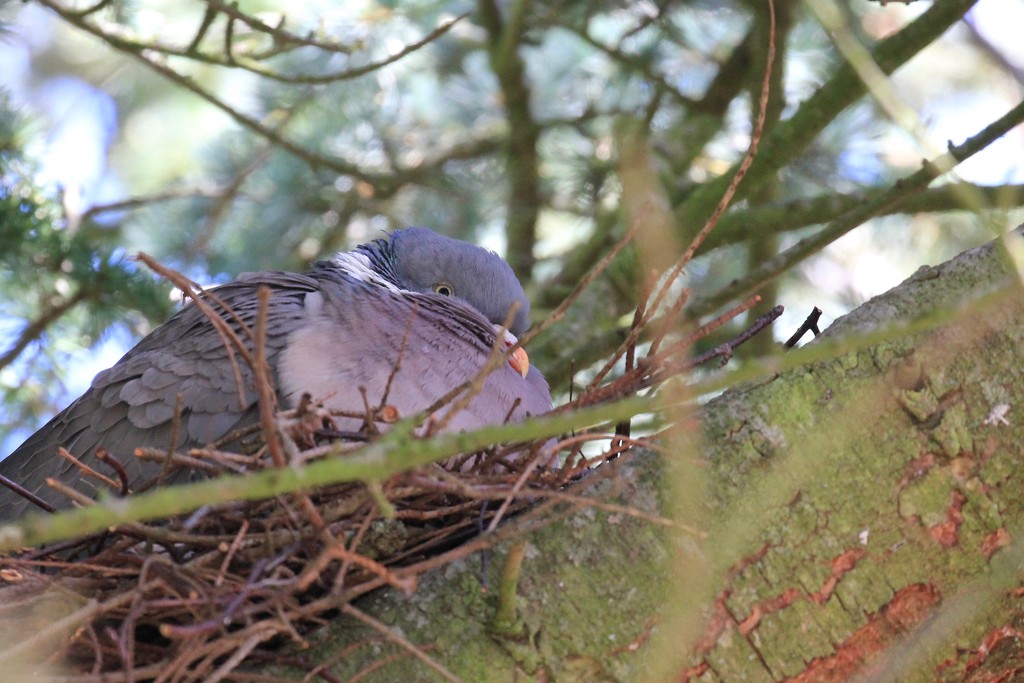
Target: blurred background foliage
226,137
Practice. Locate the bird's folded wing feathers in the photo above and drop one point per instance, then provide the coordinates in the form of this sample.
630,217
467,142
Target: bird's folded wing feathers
132,404
327,333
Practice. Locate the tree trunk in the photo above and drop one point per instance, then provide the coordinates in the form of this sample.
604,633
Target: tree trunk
863,516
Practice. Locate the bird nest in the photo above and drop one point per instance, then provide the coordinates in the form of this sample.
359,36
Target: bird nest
194,597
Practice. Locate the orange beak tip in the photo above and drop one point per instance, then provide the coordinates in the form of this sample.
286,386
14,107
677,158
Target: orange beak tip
520,362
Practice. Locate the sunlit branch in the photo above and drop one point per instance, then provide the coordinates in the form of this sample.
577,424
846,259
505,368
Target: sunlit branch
637,64
901,189
253,61
739,224
790,137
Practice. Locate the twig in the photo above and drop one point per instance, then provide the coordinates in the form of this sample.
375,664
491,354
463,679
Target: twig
397,365
470,388
240,652
505,614
875,205
105,457
232,344
384,506
147,200
264,383
741,171
668,321
26,494
353,547
36,328
725,350
172,442
707,328
59,627
641,316
810,324
69,493
585,282
236,543
510,496
85,469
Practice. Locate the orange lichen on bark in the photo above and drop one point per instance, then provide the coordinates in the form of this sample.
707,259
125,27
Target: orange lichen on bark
994,541
946,532
842,564
787,598
993,639
910,606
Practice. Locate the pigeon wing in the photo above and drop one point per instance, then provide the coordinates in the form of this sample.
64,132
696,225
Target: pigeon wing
133,403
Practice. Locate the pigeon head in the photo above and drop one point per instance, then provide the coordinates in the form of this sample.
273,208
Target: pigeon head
422,261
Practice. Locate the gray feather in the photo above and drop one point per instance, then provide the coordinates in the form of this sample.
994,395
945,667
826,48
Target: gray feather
329,331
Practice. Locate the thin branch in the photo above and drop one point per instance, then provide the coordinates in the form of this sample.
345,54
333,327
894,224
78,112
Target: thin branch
466,391
282,39
282,42
582,285
397,365
352,72
392,454
901,189
230,340
637,64
142,201
781,217
208,16
741,169
37,327
264,383
992,51
312,158
26,494
522,157
810,324
791,137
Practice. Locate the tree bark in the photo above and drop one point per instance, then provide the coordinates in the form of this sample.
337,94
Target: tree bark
863,517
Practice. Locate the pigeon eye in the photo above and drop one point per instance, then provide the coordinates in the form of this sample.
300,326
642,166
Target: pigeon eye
444,289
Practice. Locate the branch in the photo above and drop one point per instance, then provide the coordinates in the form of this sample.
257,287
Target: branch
791,137
384,183
738,225
522,158
254,66
708,115
37,327
902,189
282,41
142,201
393,453
993,52
635,63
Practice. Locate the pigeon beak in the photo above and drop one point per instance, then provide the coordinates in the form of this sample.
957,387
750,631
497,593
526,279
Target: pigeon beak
518,359
520,362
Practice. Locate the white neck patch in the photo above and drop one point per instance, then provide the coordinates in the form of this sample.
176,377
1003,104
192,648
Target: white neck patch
357,265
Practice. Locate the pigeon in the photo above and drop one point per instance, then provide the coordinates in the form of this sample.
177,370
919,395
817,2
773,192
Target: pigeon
431,305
